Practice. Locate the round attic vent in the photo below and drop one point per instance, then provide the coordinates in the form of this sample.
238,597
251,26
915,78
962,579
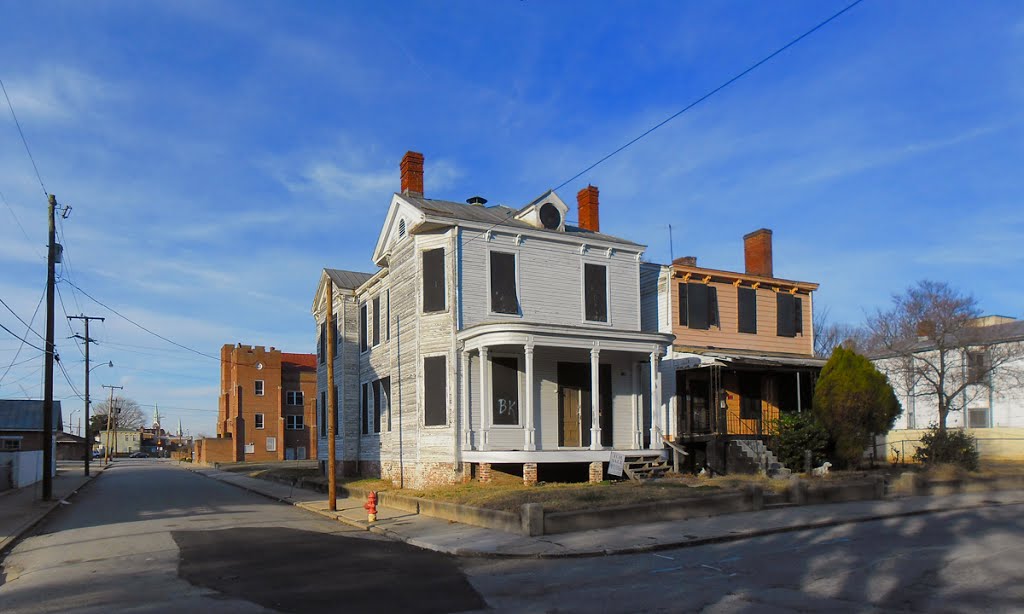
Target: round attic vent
550,216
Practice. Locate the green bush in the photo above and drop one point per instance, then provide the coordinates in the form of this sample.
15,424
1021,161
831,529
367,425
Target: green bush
796,433
954,446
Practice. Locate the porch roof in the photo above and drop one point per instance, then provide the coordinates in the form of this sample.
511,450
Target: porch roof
708,359
582,337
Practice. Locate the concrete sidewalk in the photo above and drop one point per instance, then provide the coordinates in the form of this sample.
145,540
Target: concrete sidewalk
23,509
465,540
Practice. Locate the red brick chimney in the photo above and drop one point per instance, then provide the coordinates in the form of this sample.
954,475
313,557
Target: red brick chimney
757,252
587,201
412,174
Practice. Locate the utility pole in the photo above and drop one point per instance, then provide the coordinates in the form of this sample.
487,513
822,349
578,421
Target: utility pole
87,339
51,256
332,411
110,414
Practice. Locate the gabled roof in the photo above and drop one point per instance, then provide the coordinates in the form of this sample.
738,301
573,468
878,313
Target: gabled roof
501,216
26,415
1008,332
350,280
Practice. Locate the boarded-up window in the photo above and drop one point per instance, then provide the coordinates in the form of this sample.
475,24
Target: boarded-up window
337,340
377,406
682,305
503,283
435,391
365,413
978,366
746,299
385,387
798,315
433,280
697,306
977,418
595,292
337,412
750,396
787,317
362,328
505,389
323,413
713,307
376,320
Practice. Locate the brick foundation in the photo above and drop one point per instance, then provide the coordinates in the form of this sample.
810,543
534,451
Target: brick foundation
529,473
484,473
596,471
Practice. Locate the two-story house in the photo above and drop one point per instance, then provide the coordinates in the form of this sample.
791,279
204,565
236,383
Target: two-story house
489,335
743,352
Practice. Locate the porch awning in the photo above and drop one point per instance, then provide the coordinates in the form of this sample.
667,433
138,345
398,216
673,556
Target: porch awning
584,337
708,359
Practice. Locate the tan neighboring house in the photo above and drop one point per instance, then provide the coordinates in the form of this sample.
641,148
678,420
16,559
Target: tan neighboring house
743,353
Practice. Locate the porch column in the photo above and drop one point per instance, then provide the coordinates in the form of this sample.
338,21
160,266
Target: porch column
530,442
467,418
656,441
485,399
799,405
595,399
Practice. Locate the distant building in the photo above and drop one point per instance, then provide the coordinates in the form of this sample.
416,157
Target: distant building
120,442
267,407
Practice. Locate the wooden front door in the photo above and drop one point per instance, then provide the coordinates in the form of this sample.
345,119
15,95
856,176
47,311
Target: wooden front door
569,417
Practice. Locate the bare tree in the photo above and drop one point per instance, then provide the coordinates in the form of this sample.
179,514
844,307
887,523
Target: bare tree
127,414
931,344
829,335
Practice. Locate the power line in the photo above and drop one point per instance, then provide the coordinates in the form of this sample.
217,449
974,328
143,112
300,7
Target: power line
2,302
712,92
68,379
137,325
25,341
22,344
23,139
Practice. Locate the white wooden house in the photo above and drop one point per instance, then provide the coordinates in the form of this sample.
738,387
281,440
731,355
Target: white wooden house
489,335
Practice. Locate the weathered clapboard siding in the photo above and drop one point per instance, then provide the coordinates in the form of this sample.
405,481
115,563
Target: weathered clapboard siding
650,300
727,336
550,281
404,276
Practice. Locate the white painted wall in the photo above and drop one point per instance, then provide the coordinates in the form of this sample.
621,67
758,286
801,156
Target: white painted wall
26,466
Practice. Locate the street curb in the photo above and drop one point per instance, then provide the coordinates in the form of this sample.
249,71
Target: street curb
639,549
9,543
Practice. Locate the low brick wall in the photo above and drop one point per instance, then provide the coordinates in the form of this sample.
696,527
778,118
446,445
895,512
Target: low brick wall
995,444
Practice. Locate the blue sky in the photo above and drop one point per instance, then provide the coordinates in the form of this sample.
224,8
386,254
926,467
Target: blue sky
218,154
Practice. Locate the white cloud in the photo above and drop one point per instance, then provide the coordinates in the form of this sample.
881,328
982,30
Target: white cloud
59,93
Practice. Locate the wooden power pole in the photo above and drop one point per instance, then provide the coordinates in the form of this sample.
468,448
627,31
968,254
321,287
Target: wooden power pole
51,257
332,411
88,431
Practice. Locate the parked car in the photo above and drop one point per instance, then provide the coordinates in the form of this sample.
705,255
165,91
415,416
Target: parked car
138,455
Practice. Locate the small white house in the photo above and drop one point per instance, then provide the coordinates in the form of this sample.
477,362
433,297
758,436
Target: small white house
489,335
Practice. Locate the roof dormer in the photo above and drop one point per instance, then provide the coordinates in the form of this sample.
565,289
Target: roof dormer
547,212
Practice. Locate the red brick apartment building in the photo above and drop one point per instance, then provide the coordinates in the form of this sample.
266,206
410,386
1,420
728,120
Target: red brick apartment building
267,408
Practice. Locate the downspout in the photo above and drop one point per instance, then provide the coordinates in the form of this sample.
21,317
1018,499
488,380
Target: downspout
456,326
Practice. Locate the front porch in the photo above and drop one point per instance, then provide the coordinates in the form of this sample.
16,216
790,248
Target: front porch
542,394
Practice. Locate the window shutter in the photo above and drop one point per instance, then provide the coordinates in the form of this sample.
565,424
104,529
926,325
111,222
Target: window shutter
362,328
798,315
746,306
337,341
366,409
682,304
376,320
785,317
713,306
377,406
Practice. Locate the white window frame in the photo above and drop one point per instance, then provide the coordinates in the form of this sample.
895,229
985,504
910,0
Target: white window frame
13,439
260,421
291,419
259,387
292,396
250,448
584,261
514,251
271,444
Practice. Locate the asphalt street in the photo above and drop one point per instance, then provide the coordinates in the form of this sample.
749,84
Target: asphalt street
148,536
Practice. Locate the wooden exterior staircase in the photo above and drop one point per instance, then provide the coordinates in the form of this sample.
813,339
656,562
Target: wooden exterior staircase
645,465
